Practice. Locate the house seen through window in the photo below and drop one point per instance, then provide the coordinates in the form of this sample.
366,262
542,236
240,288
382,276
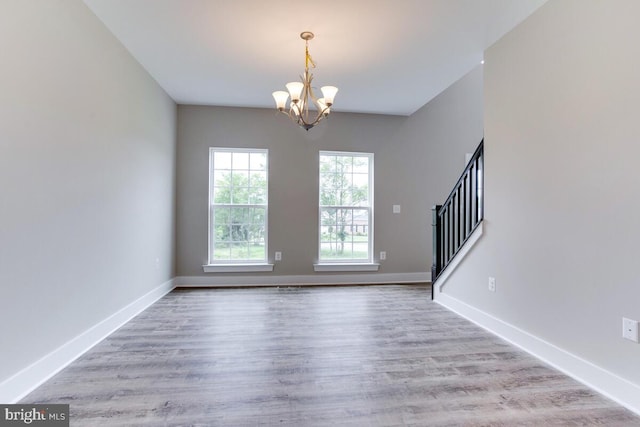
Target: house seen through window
238,183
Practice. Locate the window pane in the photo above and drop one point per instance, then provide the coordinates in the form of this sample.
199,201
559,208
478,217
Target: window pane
344,164
256,251
258,161
360,233
221,250
221,195
240,178
258,180
346,191
240,161
221,215
343,218
221,232
239,190
326,196
239,251
258,196
237,215
222,160
328,216
222,178
257,188
328,163
258,216
255,225
360,195
361,165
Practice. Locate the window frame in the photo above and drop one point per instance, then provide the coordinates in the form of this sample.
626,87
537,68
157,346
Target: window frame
231,265
341,264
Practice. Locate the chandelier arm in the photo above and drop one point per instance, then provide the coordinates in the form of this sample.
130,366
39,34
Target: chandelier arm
305,96
301,121
305,117
323,111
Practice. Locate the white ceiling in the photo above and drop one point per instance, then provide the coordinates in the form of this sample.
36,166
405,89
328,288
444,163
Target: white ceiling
385,56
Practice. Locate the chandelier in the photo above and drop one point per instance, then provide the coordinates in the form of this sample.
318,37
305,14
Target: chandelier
302,96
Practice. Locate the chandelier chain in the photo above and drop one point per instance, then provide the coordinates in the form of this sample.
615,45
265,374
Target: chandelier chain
308,59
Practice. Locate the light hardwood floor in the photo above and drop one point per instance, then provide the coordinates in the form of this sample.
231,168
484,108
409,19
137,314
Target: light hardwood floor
320,356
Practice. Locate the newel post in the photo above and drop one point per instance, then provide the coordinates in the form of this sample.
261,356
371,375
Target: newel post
436,265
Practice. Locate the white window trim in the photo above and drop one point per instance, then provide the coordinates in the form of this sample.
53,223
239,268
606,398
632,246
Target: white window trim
348,264
240,266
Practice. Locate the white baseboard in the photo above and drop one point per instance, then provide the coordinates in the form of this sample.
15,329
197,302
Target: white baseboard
25,381
610,385
302,280
466,248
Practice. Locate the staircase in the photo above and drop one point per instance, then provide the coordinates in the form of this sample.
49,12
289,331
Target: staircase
458,217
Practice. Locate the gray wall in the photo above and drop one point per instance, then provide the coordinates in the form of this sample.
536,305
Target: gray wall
417,161
87,172
562,182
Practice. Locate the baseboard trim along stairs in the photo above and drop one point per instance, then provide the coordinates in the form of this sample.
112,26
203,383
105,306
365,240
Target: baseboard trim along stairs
457,260
606,383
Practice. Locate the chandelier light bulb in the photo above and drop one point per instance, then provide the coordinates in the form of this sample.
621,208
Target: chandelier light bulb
329,93
295,90
281,99
323,107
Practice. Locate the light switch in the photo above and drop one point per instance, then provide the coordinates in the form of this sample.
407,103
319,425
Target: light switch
396,208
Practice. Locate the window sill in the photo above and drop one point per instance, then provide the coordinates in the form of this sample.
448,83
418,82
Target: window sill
346,267
236,268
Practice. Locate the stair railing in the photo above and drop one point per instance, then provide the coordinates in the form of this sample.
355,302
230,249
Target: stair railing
457,218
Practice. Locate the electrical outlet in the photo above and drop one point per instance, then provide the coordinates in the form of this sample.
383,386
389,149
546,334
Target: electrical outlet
492,284
630,329
383,255
278,256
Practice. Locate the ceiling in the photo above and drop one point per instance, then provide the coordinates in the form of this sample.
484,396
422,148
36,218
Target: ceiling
385,56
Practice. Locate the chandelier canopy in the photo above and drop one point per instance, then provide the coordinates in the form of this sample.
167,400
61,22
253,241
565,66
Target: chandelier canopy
302,96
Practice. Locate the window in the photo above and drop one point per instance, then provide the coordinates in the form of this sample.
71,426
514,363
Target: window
238,184
346,207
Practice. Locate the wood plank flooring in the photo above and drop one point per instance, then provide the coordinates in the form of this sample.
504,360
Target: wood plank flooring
318,356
